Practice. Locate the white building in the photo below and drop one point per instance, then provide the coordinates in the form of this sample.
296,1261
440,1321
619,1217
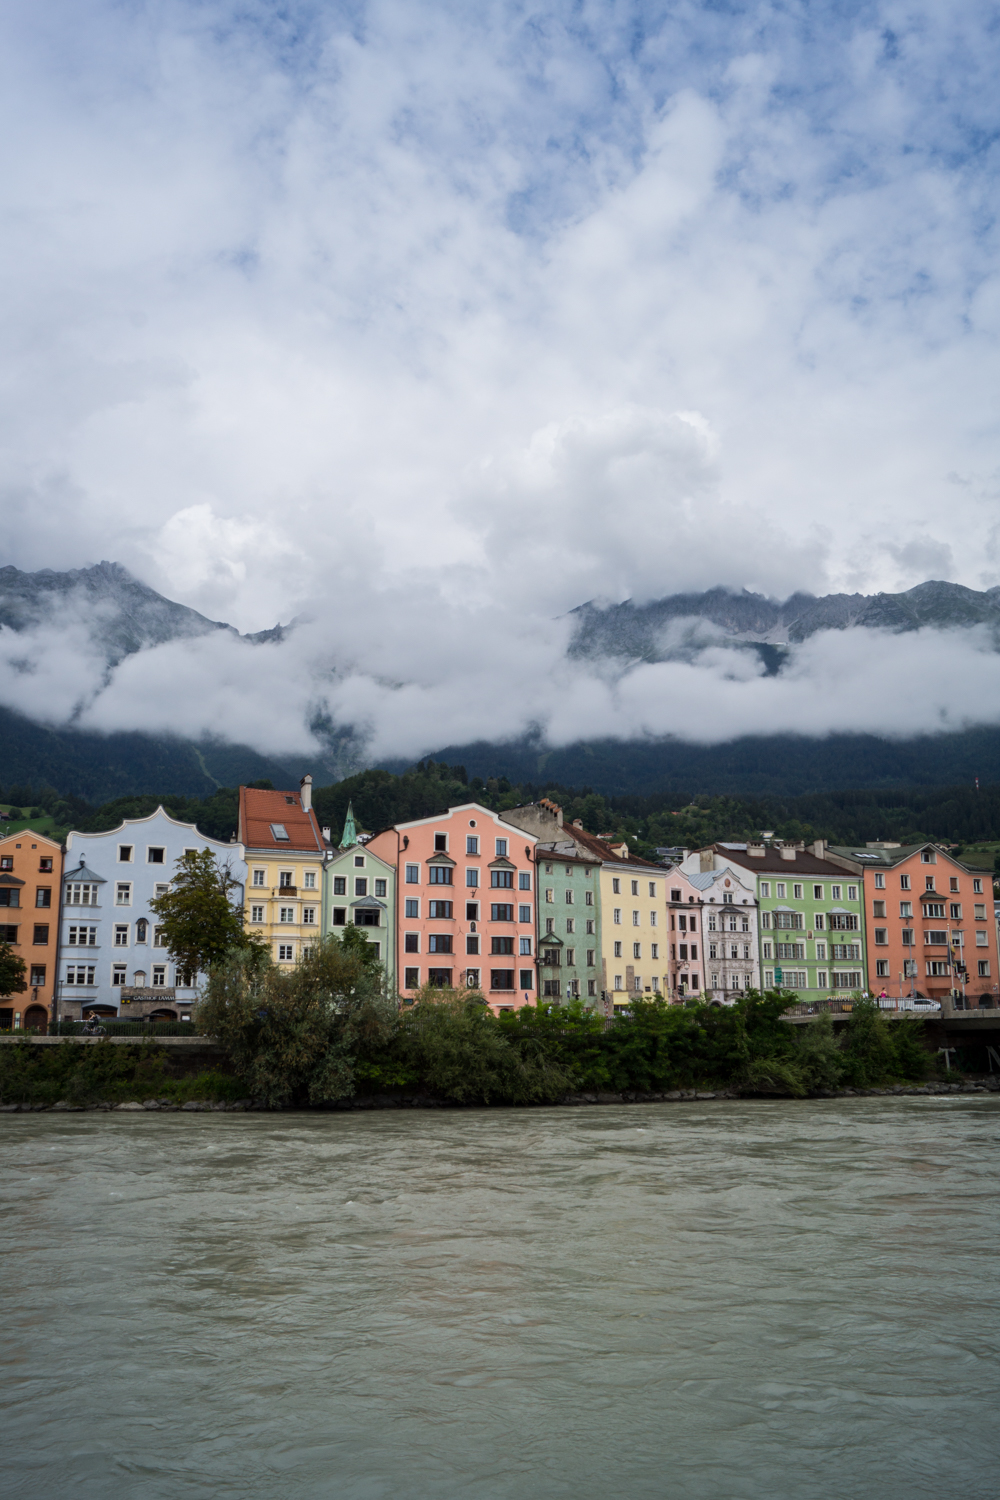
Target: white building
729,932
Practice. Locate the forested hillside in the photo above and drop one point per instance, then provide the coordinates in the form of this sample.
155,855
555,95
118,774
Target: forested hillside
958,815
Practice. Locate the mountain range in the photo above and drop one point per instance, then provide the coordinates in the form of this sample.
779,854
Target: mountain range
122,616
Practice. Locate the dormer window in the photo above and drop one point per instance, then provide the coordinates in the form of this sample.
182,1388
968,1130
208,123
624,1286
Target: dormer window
279,833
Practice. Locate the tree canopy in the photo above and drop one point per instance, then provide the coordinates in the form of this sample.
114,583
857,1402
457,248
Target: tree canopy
13,973
199,921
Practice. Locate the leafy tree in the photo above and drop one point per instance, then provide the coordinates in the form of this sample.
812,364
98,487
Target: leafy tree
200,923
12,972
293,1036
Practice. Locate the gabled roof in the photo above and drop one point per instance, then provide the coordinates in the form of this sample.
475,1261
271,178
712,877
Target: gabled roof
260,809
606,854
772,863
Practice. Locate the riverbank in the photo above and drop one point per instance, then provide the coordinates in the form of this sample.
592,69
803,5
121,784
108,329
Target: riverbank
419,1101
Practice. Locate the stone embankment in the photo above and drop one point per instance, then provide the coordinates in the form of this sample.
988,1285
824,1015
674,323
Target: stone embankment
425,1101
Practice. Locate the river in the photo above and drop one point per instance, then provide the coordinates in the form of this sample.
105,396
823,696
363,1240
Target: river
696,1301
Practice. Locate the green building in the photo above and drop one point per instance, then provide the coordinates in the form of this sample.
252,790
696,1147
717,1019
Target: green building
810,914
359,890
568,902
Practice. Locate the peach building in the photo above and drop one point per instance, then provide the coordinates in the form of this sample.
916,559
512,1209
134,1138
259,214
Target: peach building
465,904
30,878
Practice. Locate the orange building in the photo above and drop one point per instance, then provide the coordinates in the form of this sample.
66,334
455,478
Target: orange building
929,924
30,881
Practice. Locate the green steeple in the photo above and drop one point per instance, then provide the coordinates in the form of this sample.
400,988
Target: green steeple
350,832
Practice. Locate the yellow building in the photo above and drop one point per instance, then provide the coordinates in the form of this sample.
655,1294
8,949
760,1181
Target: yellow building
634,940
284,853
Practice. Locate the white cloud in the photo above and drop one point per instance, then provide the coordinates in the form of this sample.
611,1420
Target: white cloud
430,322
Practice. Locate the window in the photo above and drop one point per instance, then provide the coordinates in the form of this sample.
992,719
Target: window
929,883
904,882
439,874
412,908
121,935
765,890
502,945
471,843
472,943
792,979
286,951
472,912
933,908
881,937
411,942
359,861
258,877
591,987
551,958
711,921
936,937
551,989
818,924
440,843
982,941
844,952
713,950
550,925
43,896
906,908
411,979
569,898
984,968
440,909
309,916
936,967
618,981
955,911
439,942
765,919
787,950
286,914
501,912
977,887
616,885
83,937
527,979
124,854
361,886
590,957
928,857
766,951
286,880
841,922
852,893
41,934
413,874
501,848
635,887
617,916
652,889
906,937
588,896
635,919
636,950
154,855
472,877
793,920
501,979
340,916
652,919
309,880
821,979
80,974
256,914
727,899
618,950
654,950
797,892
380,888
878,908
879,881
118,976
123,893
159,936
589,924
340,885
569,924
279,833
502,880
980,910
159,975
525,947
835,892
779,890
550,895
524,880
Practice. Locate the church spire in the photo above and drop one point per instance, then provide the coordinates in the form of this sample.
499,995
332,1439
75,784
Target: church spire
350,832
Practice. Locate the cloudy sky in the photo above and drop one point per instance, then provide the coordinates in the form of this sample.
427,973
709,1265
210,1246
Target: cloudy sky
427,322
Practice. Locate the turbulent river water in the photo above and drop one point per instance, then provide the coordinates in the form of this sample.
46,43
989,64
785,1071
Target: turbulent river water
710,1300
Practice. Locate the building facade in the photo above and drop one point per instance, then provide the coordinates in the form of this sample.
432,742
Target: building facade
568,937
465,906
729,922
928,922
811,926
30,878
285,854
359,890
112,955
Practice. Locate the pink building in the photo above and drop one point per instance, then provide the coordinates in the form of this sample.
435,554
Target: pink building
465,904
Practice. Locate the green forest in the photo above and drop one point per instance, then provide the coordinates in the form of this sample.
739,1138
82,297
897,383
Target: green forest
964,816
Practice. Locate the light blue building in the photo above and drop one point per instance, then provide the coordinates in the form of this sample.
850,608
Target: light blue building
112,958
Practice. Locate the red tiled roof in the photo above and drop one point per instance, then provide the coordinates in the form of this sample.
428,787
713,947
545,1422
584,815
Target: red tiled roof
259,809
604,851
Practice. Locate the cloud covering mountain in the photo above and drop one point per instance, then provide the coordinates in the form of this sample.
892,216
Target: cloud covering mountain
423,324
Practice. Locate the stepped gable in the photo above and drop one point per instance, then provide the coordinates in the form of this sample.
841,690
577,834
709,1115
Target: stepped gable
259,809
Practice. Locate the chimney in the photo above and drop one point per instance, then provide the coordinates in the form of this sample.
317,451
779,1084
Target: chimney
327,836
819,848
577,822
306,792
706,860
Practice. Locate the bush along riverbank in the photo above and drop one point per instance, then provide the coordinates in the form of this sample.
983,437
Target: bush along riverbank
328,1035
